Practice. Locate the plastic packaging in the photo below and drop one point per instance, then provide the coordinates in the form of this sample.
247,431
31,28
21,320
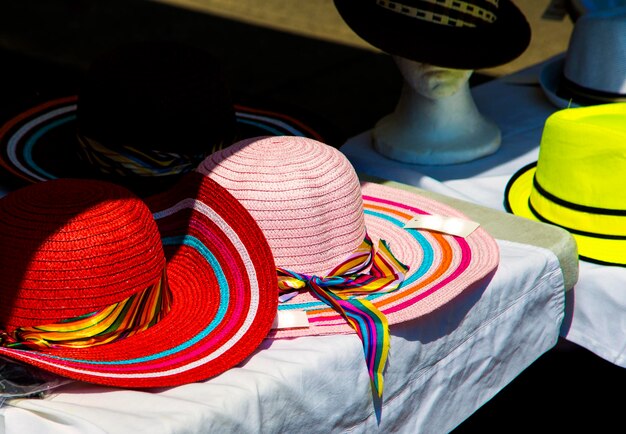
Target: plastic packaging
18,380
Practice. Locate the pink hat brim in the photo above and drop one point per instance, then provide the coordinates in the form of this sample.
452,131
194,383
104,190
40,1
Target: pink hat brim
440,266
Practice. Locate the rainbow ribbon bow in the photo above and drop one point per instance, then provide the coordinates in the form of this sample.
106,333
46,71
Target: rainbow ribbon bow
343,283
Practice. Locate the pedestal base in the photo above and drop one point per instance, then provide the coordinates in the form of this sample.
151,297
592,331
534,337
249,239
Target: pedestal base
414,147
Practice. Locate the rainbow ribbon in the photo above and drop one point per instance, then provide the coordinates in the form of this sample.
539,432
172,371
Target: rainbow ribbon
126,160
343,283
138,312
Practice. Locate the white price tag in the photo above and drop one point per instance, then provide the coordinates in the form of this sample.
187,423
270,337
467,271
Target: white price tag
288,319
443,224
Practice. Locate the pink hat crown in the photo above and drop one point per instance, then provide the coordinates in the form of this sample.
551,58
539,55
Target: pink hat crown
305,196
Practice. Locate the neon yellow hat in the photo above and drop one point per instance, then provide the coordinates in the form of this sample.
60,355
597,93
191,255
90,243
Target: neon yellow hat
579,181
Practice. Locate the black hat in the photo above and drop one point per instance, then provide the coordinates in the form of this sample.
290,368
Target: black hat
150,111
145,114
459,34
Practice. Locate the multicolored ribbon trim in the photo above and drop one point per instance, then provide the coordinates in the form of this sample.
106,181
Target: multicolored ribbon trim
127,160
347,280
138,312
454,13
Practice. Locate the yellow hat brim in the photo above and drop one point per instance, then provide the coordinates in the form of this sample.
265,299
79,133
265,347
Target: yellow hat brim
594,249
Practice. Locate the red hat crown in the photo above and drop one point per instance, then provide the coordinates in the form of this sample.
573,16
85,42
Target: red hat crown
69,248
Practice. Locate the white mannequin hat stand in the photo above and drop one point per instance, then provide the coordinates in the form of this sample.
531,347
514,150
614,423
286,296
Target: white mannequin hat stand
436,121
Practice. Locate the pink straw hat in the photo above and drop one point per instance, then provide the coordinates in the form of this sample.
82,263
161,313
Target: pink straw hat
314,212
306,200
309,203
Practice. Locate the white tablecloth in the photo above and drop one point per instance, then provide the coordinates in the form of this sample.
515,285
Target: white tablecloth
441,368
596,307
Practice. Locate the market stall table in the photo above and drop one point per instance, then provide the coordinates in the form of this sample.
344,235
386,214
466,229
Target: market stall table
519,106
441,367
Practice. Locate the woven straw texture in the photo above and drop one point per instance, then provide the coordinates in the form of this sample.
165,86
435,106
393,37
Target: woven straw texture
270,175
55,241
304,195
220,271
441,266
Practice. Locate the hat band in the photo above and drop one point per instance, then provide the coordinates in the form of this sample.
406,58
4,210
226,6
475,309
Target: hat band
126,160
585,95
576,218
348,279
137,313
454,13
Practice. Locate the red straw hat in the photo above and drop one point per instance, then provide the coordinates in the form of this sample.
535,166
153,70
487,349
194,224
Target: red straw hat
102,287
307,199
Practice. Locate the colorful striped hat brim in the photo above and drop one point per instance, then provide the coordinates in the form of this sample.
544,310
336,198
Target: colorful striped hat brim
345,261
316,213
41,144
222,279
441,266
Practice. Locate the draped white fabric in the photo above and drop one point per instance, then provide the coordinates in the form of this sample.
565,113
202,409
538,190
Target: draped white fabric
441,368
596,307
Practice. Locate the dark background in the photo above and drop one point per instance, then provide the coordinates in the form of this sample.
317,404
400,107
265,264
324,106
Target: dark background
46,47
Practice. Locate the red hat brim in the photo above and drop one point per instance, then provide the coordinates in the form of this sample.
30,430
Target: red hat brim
224,298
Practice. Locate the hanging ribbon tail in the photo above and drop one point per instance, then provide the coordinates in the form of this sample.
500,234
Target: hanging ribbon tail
386,264
343,283
370,325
